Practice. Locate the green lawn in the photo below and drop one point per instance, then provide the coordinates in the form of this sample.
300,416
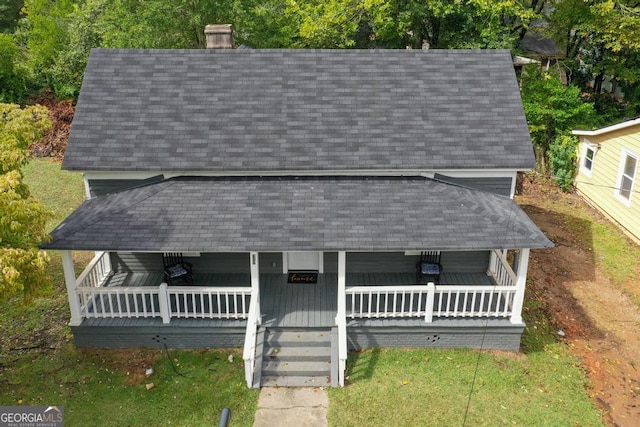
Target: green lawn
39,365
60,191
432,387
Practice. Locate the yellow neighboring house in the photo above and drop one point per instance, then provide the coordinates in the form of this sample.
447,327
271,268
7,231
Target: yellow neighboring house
608,172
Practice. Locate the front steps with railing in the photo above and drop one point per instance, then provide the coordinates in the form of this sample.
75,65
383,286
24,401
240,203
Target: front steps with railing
296,358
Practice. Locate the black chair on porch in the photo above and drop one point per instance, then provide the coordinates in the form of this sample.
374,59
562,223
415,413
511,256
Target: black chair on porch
428,269
176,268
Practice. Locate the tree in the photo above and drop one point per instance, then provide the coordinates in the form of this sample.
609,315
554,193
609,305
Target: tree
46,24
601,39
84,32
562,160
9,13
551,108
12,81
22,218
446,24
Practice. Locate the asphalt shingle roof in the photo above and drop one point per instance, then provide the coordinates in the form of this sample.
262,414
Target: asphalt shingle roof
305,110
298,214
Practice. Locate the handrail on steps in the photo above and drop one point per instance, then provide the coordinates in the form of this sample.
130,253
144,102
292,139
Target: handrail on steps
249,353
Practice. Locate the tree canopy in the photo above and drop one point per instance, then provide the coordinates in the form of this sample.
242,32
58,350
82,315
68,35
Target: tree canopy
599,39
22,218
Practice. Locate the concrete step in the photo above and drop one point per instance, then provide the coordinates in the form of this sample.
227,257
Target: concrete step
296,381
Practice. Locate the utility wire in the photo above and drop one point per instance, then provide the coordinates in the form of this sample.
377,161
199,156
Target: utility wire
173,365
484,334
605,186
556,179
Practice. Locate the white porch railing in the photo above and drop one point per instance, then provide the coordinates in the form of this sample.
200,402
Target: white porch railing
250,339
426,301
209,303
500,269
119,302
96,271
473,301
165,301
388,301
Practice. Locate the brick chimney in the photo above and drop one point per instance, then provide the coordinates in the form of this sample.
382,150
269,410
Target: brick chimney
219,36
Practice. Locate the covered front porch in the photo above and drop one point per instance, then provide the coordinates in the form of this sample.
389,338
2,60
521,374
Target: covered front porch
358,305
105,293
361,235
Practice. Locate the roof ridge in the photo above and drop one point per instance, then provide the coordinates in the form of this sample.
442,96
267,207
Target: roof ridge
493,215
106,213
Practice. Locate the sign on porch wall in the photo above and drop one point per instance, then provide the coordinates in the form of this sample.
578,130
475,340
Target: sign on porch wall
302,277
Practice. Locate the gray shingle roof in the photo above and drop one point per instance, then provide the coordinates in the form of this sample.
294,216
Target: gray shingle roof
283,110
298,214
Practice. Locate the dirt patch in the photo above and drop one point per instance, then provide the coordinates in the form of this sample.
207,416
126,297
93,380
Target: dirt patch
131,361
599,321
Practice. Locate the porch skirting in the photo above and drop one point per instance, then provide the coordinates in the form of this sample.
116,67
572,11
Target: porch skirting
152,333
495,334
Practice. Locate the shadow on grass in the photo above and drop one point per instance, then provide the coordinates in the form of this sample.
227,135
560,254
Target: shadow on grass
550,306
361,364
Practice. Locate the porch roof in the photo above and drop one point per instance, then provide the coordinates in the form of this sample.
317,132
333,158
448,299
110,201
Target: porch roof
298,214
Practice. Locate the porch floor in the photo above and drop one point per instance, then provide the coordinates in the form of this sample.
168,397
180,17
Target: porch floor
286,305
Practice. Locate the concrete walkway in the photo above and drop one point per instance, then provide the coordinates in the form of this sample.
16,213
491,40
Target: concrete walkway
288,406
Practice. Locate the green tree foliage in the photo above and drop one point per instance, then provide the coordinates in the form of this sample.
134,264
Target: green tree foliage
601,40
12,79
84,33
409,23
22,218
44,34
59,34
562,160
325,24
9,14
551,109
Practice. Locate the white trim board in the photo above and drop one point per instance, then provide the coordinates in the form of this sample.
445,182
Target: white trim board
454,173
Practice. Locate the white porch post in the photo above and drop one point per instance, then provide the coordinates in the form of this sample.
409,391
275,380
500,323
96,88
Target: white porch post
431,291
493,259
70,280
341,316
163,299
255,283
107,263
518,299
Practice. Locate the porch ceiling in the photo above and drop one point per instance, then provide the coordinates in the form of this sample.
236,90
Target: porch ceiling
298,214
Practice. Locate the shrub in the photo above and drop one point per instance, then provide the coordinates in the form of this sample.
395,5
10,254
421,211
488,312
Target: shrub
562,160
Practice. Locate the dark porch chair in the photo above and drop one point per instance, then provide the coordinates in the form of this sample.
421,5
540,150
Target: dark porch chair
429,268
176,268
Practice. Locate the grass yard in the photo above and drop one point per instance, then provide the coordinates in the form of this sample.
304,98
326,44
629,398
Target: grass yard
109,387
432,387
39,365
